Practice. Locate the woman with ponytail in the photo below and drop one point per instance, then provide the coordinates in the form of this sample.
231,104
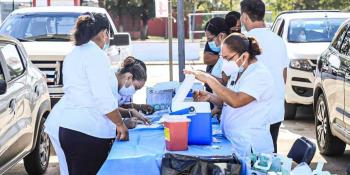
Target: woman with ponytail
84,123
247,97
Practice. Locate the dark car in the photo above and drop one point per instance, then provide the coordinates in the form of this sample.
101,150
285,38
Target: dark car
332,94
24,105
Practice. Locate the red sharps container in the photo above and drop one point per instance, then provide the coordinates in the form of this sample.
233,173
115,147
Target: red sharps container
176,132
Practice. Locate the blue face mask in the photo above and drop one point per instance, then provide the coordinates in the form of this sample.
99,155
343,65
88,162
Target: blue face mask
213,46
106,46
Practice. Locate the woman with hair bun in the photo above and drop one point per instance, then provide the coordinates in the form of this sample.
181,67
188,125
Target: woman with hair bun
130,77
84,123
247,97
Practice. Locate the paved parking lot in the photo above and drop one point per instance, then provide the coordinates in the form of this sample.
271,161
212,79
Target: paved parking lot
290,131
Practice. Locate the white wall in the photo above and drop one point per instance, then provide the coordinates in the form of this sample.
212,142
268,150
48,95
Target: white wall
159,51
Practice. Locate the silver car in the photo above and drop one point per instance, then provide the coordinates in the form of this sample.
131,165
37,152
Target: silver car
24,105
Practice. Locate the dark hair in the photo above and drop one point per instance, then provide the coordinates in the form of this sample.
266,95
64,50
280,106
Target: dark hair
240,43
88,26
216,26
134,66
255,9
232,18
137,61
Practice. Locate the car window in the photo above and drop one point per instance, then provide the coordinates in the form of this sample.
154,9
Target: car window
338,40
313,30
2,76
280,31
277,25
345,47
13,60
40,26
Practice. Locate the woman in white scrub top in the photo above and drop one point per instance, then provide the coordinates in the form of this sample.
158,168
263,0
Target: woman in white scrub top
216,30
84,123
130,77
246,99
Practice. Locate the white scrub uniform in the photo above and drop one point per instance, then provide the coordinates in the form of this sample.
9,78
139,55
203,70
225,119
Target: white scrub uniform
217,69
87,98
275,58
247,127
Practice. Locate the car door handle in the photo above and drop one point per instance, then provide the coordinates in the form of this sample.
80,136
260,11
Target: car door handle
324,67
12,105
37,91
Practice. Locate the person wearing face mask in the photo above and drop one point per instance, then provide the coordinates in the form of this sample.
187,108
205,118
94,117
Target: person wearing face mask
274,57
246,98
84,123
216,31
130,77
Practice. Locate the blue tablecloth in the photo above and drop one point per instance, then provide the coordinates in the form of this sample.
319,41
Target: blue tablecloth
143,153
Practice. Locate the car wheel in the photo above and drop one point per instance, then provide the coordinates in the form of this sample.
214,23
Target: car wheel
290,111
327,143
38,160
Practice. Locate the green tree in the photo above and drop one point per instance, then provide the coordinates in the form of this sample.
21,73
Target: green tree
137,9
144,10
217,5
277,6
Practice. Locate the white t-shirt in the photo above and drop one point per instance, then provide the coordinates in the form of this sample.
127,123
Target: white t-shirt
274,57
248,127
87,96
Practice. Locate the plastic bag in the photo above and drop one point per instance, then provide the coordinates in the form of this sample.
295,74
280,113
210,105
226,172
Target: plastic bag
302,168
175,164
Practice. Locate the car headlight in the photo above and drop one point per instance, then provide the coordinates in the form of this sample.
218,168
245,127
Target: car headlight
300,64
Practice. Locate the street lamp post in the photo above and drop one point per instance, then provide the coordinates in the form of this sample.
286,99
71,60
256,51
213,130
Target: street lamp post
181,38
170,38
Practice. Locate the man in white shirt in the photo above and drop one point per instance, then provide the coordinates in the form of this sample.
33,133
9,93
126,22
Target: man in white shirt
274,57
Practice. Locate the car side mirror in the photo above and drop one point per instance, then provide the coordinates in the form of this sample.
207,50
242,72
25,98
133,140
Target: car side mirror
121,39
3,87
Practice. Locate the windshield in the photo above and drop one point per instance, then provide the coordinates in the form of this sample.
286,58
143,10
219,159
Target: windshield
40,26
313,30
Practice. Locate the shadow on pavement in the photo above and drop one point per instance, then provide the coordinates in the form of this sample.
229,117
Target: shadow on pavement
303,125
19,169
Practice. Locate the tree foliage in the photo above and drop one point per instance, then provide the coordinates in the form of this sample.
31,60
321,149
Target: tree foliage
277,6
135,8
217,5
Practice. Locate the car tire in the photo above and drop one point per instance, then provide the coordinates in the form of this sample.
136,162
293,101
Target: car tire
327,143
38,160
290,111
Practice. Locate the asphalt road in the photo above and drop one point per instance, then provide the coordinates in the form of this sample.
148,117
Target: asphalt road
303,125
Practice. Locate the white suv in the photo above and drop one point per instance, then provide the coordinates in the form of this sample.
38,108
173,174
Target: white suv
306,34
45,33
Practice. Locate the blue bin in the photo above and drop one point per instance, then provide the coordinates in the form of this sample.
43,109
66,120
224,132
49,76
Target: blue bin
200,130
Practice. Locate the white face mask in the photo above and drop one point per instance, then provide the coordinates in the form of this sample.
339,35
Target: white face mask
127,91
231,68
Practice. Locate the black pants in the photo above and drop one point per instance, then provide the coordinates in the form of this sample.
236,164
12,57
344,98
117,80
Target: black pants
274,130
84,154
